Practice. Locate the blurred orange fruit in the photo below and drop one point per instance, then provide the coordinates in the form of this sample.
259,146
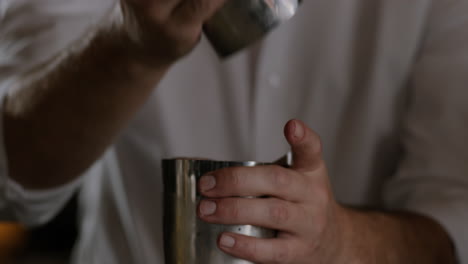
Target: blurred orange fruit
12,238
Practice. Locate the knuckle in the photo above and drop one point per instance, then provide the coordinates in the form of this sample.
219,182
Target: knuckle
281,256
280,178
233,211
279,213
305,213
306,250
236,178
251,250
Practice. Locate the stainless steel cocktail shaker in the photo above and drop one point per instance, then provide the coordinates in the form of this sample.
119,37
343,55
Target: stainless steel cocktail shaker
242,22
187,239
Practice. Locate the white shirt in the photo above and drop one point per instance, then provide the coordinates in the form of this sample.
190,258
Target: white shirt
385,84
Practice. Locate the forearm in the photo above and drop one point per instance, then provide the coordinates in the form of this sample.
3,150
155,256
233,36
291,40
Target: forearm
56,126
387,238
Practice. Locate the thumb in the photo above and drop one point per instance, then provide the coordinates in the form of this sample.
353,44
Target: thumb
306,146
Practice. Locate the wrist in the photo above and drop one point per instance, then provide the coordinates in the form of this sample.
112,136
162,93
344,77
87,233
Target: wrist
345,247
353,235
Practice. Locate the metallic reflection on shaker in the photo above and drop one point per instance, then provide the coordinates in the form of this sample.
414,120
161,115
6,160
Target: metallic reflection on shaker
242,22
187,239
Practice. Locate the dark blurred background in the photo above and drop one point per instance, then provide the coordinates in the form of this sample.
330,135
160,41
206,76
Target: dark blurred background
48,244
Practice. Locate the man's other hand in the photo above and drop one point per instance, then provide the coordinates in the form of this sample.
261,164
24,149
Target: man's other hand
162,31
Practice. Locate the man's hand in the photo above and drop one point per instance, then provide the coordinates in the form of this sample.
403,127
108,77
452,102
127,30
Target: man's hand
301,207
166,29
50,137
312,226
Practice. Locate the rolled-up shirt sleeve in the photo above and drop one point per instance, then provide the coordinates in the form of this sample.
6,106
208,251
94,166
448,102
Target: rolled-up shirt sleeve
32,33
433,176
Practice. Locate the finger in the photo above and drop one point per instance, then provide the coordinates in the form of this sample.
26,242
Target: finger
266,212
305,145
270,180
258,250
196,10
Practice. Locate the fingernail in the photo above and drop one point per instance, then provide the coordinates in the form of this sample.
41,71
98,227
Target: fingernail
207,208
207,183
298,130
227,241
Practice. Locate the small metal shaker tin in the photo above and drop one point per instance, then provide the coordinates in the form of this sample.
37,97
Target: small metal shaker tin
242,22
187,239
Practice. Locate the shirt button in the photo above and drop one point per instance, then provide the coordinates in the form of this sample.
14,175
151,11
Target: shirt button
274,80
